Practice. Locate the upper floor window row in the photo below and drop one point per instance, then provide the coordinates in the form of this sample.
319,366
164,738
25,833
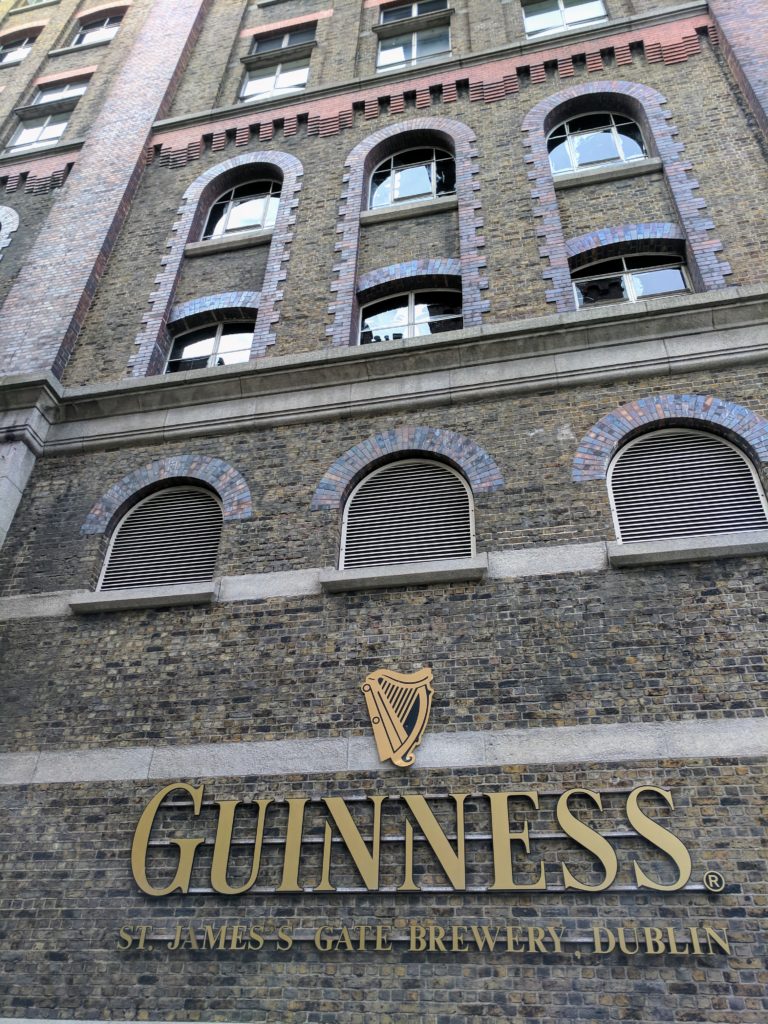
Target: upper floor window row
14,51
411,315
629,278
413,175
591,140
247,207
99,30
544,16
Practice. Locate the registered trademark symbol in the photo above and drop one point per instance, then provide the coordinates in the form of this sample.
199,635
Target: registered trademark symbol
714,881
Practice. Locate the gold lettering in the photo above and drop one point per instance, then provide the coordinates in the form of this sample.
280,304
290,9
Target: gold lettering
366,863
436,936
660,837
458,943
695,941
453,864
382,939
513,938
557,935
237,940
292,855
673,946
255,939
418,941
597,940
712,936
503,839
187,847
223,845
125,937
213,940
624,945
587,838
284,938
654,944
483,937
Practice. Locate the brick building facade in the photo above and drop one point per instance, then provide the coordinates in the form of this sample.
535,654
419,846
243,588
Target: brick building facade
597,243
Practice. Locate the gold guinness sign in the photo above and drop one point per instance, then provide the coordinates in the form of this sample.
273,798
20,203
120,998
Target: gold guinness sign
398,706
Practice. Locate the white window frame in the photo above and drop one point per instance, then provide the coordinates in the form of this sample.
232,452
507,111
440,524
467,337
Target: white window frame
26,5
285,37
87,27
411,307
275,190
22,43
276,70
433,174
24,126
575,167
642,437
667,261
413,11
565,27
388,465
383,68
54,91
217,335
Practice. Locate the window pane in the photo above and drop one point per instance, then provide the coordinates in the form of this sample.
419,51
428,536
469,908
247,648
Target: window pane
236,336
396,13
381,189
259,83
412,156
446,176
589,123
194,345
265,45
595,147
12,53
607,289
292,76
431,305
631,141
301,35
246,214
412,182
658,282
577,11
427,6
432,41
385,321
53,130
395,51
603,267
543,16
560,158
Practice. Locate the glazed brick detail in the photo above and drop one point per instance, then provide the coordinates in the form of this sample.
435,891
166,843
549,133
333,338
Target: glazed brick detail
214,309
646,105
601,442
360,163
624,238
743,29
414,273
47,304
228,483
477,465
9,222
153,341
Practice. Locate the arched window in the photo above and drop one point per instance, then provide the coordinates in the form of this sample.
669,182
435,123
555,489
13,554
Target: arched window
629,278
411,315
412,510
170,537
212,345
679,483
245,207
413,175
591,140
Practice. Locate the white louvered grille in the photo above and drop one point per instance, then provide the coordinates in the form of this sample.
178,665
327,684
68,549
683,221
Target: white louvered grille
170,537
409,511
680,483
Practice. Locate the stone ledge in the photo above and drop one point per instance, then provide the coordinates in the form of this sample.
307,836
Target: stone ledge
405,211
407,574
142,597
390,29
688,549
76,49
243,240
614,172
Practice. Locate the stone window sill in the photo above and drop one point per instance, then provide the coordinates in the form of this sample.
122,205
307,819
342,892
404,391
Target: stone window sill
241,240
615,172
36,7
76,49
404,211
268,58
406,25
142,597
450,570
61,106
688,549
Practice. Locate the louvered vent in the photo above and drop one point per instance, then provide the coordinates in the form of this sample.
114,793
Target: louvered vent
680,483
409,511
170,537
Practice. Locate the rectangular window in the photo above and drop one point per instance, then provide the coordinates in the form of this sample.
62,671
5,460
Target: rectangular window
403,11
22,5
38,132
276,80
296,37
99,31
15,52
543,16
59,91
417,47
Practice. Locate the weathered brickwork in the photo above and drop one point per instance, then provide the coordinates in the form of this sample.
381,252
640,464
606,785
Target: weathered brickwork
591,208
405,240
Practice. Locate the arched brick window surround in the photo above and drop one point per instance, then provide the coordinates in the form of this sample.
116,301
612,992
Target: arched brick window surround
9,222
478,467
739,424
441,131
646,106
655,236
153,340
214,309
399,277
225,480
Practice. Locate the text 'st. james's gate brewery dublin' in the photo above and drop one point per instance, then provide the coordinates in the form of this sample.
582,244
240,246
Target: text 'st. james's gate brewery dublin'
383,520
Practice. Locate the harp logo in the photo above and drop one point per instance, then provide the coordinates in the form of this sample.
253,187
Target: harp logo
398,706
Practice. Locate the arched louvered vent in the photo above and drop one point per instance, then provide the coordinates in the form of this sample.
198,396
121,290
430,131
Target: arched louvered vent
680,483
408,511
170,537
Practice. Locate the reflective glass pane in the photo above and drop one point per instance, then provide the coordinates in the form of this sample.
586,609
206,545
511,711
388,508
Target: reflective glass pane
301,35
412,182
259,83
446,177
217,220
427,6
396,13
236,336
395,51
381,189
412,156
589,123
12,53
631,141
595,148
658,282
194,345
385,321
265,45
292,76
429,305
432,41
577,11
543,16
28,134
180,365
560,158
603,267
607,289
53,130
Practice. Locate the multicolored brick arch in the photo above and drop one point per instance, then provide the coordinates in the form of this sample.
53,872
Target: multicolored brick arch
225,480
624,238
601,442
478,467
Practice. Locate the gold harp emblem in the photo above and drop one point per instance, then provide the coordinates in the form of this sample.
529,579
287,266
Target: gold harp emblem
398,705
